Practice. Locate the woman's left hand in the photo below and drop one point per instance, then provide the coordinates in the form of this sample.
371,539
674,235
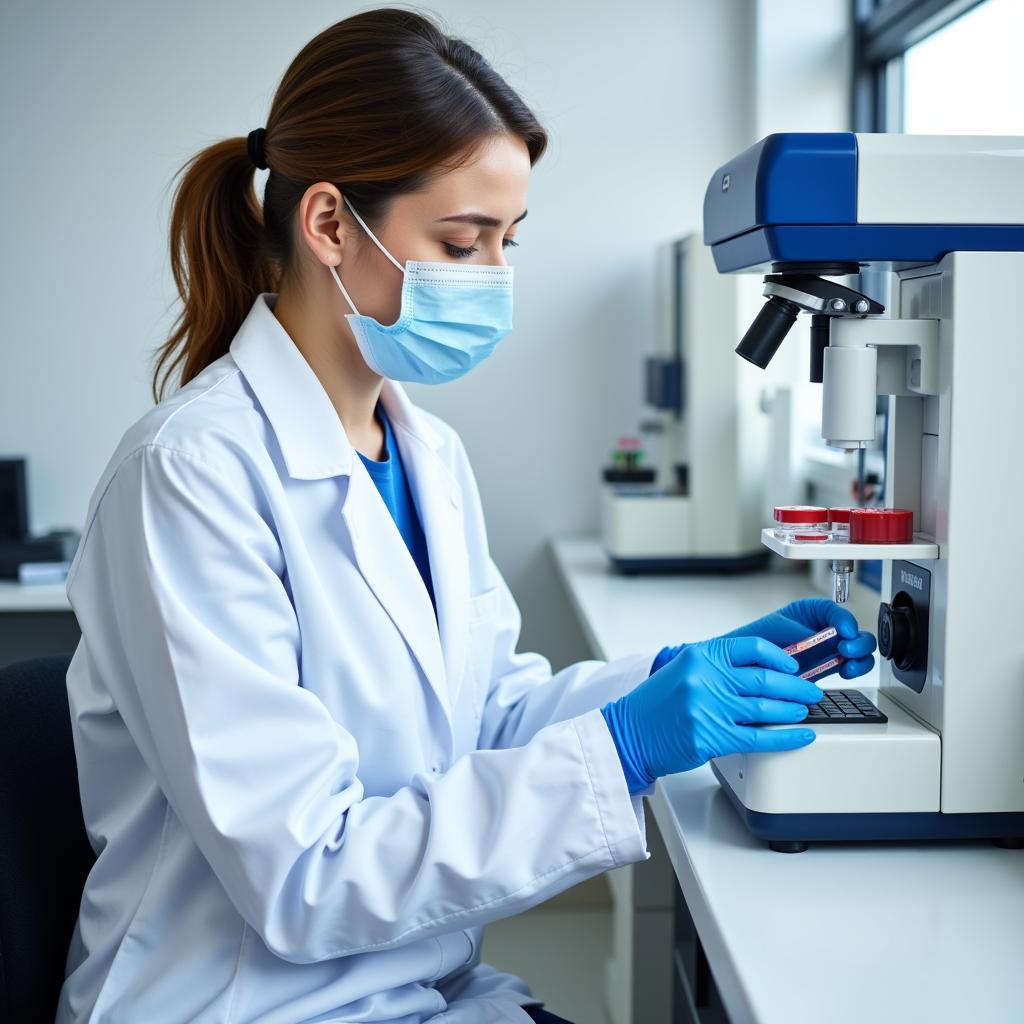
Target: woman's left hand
802,619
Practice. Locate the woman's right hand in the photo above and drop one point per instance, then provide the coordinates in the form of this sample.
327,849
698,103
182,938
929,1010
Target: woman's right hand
704,704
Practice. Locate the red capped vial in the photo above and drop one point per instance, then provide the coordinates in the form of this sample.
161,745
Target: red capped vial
801,523
881,526
839,524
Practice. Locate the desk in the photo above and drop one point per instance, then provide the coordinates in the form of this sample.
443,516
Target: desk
841,934
35,620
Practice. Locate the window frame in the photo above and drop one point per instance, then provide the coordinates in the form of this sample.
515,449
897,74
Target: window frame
883,31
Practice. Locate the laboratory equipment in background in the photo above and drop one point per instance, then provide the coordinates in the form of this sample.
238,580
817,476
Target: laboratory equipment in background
628,463
700,510
928,235
31,559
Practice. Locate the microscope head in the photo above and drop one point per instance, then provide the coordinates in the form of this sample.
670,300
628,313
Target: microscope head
805,208
792,288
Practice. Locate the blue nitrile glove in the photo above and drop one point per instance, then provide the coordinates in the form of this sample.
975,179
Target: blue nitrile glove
699,705
797,621
804,618
664,656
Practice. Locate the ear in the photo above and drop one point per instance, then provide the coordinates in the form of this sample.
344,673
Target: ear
321,223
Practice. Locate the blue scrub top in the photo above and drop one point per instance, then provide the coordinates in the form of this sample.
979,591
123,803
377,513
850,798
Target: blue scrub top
393,485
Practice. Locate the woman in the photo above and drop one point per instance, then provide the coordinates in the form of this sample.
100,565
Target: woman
312,763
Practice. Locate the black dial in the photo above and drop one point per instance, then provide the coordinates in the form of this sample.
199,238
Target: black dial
897,631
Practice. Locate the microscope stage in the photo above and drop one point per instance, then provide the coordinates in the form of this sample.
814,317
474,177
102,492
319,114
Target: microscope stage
922,549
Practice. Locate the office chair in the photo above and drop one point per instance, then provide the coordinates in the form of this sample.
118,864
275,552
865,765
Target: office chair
44,853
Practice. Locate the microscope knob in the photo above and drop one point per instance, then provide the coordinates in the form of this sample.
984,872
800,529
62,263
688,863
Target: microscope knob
897,632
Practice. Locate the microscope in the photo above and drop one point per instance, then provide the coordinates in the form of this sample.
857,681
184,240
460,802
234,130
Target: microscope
907,253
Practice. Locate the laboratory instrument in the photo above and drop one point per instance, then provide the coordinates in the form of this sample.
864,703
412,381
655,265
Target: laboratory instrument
702,510
627,463
927,235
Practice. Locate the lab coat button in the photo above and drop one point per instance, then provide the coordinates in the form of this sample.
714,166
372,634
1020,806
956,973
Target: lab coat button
455,499
436,769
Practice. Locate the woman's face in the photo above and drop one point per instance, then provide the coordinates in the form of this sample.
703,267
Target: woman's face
466,215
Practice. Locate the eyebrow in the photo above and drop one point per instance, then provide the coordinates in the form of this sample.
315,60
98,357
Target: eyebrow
480,219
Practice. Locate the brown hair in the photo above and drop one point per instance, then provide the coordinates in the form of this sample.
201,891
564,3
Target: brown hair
377,104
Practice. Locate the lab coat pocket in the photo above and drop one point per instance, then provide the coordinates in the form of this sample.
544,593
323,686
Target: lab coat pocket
483,606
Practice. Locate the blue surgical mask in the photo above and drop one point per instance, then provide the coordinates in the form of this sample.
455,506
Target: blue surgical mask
452,318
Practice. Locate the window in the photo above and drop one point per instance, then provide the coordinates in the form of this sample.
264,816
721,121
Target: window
939,67
934,67
984,95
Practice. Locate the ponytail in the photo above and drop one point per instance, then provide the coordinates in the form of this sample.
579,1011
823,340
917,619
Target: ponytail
217,259
376,104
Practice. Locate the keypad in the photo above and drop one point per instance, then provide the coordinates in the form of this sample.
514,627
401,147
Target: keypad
839,707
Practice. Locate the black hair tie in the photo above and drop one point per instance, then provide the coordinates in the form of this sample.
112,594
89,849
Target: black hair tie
255,147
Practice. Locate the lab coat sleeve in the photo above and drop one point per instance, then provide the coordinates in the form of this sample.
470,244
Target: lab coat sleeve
184,606
523,696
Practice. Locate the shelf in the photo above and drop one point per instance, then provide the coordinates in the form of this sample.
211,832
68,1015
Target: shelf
922,549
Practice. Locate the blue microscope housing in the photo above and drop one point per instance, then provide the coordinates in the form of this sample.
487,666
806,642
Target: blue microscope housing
793,199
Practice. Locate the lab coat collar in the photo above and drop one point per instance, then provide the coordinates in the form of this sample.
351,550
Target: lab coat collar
306,424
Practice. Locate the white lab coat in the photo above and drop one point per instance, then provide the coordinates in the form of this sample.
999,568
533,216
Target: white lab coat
308,795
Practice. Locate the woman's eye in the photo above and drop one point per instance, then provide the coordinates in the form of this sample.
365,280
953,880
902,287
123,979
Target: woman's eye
461,252
458,250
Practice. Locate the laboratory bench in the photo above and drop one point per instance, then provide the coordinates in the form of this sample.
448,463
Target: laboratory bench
723,930
35,620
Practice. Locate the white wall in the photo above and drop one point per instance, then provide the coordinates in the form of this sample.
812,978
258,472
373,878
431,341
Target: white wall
801,83
103,101
803,64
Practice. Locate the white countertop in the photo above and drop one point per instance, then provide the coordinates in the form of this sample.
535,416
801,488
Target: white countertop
37,597
624,614
841,934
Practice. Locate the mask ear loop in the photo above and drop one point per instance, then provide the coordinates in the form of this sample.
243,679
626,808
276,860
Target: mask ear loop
337,280
373,237
376,242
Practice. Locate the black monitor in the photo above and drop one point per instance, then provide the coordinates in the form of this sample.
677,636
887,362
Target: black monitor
13,501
